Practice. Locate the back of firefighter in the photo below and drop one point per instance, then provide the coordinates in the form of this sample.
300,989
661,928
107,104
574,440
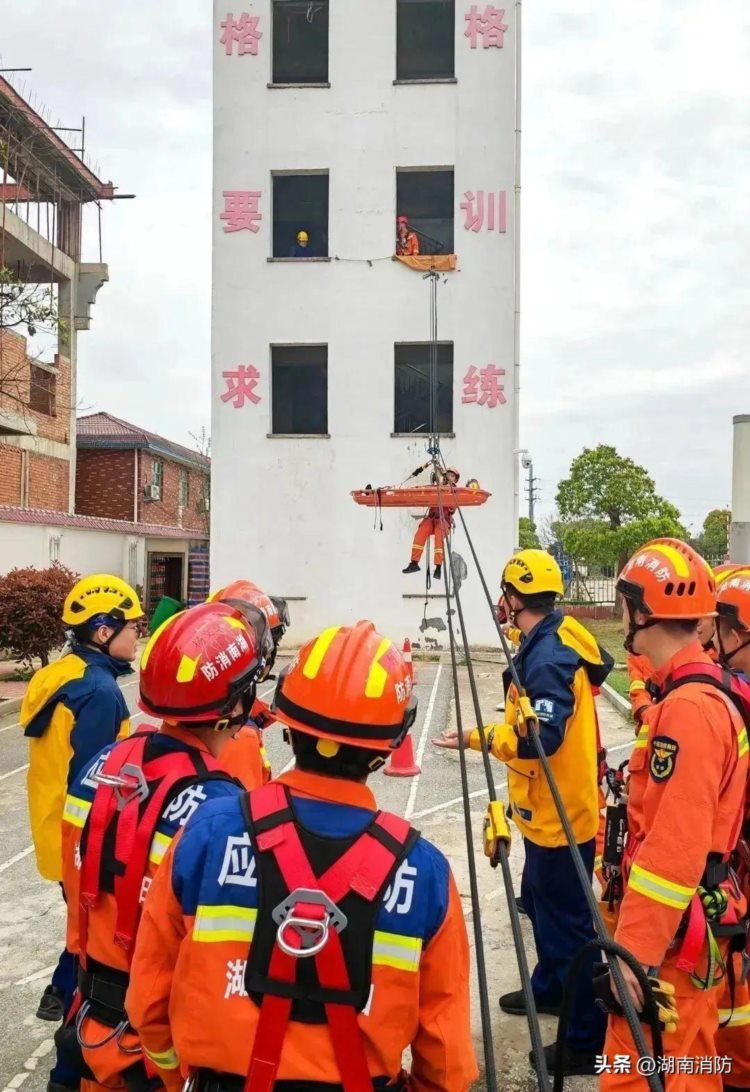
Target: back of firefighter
733,641
558,663
250,883
71,709
199,671
245,757
685,803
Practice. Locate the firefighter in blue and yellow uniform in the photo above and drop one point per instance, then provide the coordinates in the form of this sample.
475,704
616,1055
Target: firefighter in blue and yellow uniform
558,663
198,675
72,708
307,866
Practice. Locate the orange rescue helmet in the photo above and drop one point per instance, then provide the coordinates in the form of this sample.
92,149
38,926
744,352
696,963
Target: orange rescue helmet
733,597
349,685
721,572
199,664
668,580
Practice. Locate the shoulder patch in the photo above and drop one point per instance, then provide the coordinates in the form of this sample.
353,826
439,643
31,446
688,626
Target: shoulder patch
663,757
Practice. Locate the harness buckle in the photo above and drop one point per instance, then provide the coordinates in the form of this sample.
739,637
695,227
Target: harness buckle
129,784
311,932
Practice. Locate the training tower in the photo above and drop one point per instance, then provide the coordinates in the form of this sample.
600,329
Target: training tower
326,372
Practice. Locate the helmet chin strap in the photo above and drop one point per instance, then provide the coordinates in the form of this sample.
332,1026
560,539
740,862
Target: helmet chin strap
725,658
634,627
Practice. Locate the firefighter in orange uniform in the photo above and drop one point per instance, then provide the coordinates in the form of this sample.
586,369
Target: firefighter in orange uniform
308,867
199,671
245,756
437,522
688,773
407,240
733,639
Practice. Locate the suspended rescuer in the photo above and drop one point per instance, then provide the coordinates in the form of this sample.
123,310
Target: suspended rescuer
438,523
733,640
297,938
688,774
245,757
558,662
198,673
407,240
73,707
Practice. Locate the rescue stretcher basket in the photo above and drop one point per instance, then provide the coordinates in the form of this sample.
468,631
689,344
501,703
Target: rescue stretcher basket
420,496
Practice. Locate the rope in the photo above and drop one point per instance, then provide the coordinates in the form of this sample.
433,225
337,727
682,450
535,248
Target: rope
654,1081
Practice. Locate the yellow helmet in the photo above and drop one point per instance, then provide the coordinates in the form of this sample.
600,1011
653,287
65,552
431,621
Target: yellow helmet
101,594
303,237
533,572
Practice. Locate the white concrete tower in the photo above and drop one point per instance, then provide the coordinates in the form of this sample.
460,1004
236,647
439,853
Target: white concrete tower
332,118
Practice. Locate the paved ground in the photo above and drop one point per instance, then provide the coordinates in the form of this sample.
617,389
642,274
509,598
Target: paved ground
31,911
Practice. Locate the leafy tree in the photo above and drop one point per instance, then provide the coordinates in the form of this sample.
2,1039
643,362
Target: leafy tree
527,536
31,605
713,542
25,306
609,507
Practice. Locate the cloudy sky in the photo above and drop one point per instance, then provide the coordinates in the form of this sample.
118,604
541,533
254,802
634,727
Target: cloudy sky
636,220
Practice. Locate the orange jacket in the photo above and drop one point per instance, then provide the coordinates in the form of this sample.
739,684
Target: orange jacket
409,246
640,673
187,981
244,756
688,774
108,1061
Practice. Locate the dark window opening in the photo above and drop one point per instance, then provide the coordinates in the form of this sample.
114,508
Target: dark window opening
426,199
300,41
299,389
425,39
413,386
300,205
43,391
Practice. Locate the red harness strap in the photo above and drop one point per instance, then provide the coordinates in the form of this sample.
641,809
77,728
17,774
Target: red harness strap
363,868
134,835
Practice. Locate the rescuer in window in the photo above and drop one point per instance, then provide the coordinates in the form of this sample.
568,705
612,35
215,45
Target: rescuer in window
437,522
407,241
301,248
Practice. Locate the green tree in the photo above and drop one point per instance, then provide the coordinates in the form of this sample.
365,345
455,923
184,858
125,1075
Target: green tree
31,605
713,542
609,507
527,536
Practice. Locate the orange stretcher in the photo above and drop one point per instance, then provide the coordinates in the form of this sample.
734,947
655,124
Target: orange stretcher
420,496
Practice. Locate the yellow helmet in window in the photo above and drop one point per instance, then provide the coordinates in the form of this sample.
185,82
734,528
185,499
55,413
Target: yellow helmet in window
303,238
101,595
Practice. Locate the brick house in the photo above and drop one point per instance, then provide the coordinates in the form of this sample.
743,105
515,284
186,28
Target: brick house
35,448
124,472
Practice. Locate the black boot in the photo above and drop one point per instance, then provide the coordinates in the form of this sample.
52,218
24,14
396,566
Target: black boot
520,907
515,1005
51,1005
412,567
438,572
576,1063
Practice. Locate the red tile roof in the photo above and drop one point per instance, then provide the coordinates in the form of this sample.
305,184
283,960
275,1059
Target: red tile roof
45,517
103,430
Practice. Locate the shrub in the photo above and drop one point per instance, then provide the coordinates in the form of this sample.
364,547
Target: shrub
31,604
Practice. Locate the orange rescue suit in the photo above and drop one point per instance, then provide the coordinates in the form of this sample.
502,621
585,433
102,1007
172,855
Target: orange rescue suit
244,756
409,246
688,774
433,524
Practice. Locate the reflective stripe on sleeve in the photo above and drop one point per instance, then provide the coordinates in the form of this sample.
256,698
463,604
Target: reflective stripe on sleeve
735,1018
742,742
76,810
167,1059
394,950
659,889
636,685
214,924
641,740
159,846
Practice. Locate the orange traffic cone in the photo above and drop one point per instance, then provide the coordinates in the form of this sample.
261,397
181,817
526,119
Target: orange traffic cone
402,762
406,653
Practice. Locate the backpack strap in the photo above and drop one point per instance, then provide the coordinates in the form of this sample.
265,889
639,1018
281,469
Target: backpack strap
309,919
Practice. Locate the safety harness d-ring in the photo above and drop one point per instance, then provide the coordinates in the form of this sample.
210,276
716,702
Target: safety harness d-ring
297,913
116,1033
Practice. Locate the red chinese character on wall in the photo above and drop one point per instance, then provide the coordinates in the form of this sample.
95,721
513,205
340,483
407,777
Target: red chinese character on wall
489,27
476,204
241,384
483,387
243,31
241,211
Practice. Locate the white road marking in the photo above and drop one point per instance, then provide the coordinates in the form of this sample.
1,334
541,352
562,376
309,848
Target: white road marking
44,1048
422,744
18,857
44,973
18,769
8,727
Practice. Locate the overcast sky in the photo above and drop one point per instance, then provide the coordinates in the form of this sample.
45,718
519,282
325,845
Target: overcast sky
636,221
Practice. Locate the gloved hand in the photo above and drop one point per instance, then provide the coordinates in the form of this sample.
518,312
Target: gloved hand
662,992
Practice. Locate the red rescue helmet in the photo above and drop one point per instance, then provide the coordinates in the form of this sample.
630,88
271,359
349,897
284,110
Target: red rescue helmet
454,471
351,686
199,664
402,220
259,609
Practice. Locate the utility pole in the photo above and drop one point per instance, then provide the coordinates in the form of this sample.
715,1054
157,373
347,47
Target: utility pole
531,494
